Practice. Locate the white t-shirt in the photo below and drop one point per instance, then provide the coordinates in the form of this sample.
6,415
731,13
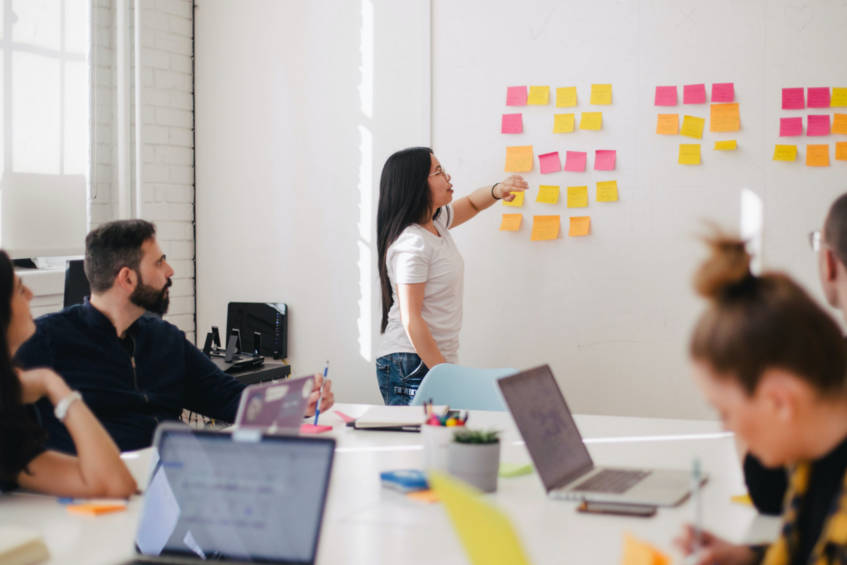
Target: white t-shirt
418,256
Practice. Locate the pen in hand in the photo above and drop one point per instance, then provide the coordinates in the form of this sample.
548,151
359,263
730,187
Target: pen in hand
321,393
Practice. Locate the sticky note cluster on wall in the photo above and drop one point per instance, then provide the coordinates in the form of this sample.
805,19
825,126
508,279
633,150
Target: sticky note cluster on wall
724,116
521,157
817,124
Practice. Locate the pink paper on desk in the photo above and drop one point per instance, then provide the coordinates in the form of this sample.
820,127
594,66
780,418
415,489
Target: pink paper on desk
347,419
818,124
516,96
575,161
818,97
694,94
723,92
313,429
550,163
512,123
665,96
790,126
604,159
793,99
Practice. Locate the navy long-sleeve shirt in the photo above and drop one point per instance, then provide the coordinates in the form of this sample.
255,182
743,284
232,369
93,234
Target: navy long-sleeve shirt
130,384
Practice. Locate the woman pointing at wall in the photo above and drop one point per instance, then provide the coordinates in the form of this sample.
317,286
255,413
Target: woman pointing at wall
420,269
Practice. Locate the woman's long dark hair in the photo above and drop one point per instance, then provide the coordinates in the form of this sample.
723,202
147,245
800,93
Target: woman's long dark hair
404,199
20,435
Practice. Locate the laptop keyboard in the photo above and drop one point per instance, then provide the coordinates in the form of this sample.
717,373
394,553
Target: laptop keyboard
614,481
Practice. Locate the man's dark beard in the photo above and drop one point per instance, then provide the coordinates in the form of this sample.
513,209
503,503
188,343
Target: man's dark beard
150,298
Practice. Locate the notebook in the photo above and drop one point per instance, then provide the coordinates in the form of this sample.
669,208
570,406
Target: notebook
409,418
274,406
559,454
234,496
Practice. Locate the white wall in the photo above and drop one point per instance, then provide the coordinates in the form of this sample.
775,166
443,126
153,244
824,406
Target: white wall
298,104
287,187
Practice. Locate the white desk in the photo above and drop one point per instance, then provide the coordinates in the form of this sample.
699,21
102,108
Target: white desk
365,523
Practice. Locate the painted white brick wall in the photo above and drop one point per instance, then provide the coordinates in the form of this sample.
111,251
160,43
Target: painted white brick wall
167,184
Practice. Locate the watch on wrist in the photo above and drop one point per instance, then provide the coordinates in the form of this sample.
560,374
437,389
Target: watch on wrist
63,405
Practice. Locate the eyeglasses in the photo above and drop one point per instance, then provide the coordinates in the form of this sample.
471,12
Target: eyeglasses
441,172
815,240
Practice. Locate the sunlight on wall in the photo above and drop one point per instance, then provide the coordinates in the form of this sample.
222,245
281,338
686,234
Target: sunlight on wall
365,242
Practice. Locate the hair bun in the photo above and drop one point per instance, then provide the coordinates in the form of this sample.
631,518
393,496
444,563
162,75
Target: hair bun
727,267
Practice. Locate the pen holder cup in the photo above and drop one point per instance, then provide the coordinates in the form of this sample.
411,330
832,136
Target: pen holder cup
436,439
476,464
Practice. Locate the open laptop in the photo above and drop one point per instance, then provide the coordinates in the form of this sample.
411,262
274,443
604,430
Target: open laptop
274,406
560,456
235,497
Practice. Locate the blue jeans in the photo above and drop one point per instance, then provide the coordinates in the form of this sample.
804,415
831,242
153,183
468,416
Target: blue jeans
399,375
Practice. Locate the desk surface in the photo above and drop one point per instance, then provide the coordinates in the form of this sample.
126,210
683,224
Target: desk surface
365,523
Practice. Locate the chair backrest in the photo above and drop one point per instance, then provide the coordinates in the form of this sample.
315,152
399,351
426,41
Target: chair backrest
76,283
462,388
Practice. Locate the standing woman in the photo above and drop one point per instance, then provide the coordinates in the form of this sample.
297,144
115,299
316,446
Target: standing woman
98,470
420,269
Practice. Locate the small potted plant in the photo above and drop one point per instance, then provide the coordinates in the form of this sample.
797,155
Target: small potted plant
474,457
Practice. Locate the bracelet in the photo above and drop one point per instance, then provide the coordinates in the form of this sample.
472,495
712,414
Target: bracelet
63,405
494,196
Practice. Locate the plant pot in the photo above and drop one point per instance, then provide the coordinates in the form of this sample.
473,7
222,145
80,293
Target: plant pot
475,463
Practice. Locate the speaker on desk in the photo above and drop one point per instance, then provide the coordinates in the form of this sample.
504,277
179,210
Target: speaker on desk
76,283
267,319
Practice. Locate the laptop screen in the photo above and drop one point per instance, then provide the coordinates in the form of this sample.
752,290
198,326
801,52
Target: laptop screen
546,424
213,495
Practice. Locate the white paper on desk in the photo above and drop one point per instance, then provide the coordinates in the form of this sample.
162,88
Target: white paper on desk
394,416
159,517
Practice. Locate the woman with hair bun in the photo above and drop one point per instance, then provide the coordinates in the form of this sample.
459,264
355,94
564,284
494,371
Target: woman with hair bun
772,363
98,470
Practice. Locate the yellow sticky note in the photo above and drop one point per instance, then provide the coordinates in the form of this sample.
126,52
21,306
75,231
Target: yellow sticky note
95,509
577,196
591,121
519,159
725,117
580,226
607,191
485,532
727,145
692,126
841,151
427,496
689,153
511,222
839,123
839,97
741,499
517,202
544,228
785,153
817,155
538,95
566,97
667,124
548,194
601,94
563,123
637,552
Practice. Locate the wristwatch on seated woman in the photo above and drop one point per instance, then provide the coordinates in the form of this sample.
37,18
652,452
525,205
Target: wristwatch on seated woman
63,405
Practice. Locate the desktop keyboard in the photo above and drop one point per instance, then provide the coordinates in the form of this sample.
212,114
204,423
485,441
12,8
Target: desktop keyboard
614,481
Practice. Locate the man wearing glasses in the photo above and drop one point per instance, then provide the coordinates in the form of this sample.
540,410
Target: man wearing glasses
767,486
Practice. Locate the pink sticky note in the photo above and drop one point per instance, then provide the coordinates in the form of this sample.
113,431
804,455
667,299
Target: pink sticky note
694,94
313,429
665,96
575,161
818,124
512,123
723,92
550,162
790,126
516,96
344,417
818,97
793,99
604,160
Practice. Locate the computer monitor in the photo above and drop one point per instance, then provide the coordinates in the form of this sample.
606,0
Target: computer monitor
270,319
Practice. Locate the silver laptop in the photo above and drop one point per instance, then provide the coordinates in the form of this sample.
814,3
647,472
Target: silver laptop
235,497
559,454
275,406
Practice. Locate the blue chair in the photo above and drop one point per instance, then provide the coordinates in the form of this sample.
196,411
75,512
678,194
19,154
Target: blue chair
462,388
